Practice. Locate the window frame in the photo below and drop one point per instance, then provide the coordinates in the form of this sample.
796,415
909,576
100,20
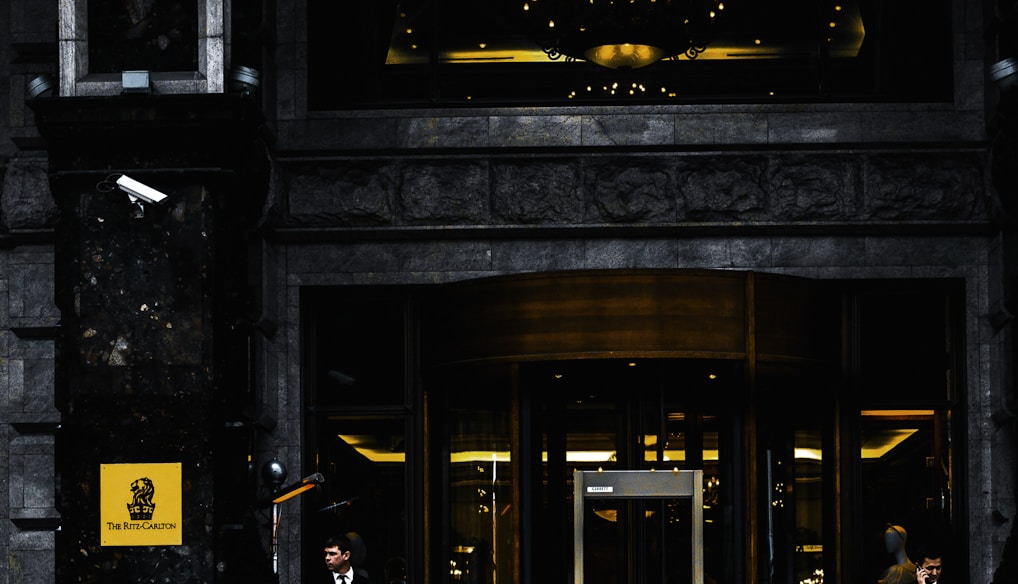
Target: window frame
77,80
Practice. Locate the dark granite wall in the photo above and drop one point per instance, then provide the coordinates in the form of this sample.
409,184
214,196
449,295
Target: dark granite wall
136,302
156,314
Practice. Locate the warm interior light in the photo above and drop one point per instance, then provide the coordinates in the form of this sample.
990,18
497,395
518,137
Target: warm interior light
292,494
305,484
517,47
876,445
625,55
897,414
890,439
612,515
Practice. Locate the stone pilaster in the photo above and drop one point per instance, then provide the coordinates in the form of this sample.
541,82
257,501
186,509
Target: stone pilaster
155,305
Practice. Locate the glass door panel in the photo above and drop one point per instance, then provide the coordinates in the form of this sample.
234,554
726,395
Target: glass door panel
809,496
906,480
363,460
481,484
795,488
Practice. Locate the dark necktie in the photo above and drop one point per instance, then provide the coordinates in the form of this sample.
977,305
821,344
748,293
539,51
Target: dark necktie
342,579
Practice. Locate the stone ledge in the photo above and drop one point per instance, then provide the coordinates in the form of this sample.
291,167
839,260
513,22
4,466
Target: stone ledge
35,519
303,234
36,332
35,422
20,237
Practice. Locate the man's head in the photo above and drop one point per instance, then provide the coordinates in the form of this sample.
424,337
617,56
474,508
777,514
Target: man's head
337,553
930,564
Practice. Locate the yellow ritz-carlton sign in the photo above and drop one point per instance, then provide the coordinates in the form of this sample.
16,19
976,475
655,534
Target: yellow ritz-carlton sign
140,504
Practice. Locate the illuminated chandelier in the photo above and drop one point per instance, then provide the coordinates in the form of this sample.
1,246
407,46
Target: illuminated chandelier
622,34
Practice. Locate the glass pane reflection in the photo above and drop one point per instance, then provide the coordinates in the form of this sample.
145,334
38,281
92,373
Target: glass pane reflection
638,541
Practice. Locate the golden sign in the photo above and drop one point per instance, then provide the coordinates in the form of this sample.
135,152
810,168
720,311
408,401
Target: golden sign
140,504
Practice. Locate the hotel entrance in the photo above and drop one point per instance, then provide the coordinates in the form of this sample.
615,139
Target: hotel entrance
451,420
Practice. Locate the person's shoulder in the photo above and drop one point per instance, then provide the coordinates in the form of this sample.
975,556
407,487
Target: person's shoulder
361,579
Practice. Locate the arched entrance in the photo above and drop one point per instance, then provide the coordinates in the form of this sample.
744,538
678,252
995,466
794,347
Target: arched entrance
540,375
449,420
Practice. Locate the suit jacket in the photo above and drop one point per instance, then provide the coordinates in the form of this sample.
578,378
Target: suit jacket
358,578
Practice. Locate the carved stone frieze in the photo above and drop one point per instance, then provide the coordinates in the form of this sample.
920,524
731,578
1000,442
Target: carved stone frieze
652,189
813,189
722,189
947,186
536,192
630,190
436,193
25,199
356,194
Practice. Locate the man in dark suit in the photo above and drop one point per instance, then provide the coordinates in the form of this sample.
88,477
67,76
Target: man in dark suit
337,561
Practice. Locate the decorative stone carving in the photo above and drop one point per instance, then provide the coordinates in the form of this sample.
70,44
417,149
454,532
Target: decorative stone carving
26,202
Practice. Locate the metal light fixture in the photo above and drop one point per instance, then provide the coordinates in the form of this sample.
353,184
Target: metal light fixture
245,80
274,473
622,34
41,86
1005,74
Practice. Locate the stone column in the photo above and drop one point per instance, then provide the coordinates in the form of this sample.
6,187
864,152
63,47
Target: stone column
155,301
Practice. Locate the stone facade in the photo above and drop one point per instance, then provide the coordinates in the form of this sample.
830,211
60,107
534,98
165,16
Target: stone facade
832,191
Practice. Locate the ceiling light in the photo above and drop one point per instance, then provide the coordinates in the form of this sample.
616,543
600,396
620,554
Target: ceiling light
622,35
620,89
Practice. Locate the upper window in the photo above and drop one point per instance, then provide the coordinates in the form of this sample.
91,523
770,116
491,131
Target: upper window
462,52
908,339
181,43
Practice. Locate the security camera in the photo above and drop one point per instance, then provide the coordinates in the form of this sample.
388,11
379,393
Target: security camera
139,191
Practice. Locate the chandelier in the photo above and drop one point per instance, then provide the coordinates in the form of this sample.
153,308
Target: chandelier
621,34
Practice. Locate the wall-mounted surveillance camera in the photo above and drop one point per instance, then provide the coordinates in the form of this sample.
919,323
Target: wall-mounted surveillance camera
139,191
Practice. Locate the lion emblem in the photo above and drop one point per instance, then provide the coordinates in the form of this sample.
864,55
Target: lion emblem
142,506
143,490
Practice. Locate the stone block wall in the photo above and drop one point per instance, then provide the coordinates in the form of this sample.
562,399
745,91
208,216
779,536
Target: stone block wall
28,417
28,316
